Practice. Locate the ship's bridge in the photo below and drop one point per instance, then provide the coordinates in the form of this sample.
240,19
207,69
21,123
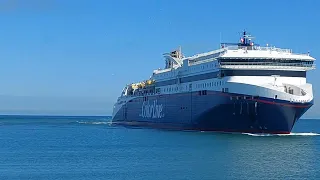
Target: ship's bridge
256,57
248,55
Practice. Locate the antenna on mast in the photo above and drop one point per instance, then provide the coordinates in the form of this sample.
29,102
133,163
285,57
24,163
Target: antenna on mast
180,52
220,39
246,39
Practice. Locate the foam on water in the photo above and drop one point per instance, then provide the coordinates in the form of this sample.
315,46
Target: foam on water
94,122
300,134
291,134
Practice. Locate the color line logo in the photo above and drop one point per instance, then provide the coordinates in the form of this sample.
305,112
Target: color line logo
151,110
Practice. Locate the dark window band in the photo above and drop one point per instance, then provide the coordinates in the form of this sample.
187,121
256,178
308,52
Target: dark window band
265,61
233,73
264,73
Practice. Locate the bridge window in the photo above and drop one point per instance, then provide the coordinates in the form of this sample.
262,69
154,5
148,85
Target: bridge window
290,91
204,92
225,89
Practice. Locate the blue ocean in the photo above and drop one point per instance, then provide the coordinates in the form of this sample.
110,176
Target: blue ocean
52,147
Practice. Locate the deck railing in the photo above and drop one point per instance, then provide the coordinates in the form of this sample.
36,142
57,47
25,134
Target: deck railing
262,65
260,48
268,64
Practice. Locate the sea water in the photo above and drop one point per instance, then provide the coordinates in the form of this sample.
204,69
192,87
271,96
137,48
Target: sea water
52,147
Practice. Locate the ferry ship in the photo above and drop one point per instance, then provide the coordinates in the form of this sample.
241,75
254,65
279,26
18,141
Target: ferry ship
240,87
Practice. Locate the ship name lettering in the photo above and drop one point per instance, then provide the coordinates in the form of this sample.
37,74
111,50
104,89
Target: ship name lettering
151,110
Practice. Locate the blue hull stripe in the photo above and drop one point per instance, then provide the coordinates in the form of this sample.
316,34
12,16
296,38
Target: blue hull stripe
215,111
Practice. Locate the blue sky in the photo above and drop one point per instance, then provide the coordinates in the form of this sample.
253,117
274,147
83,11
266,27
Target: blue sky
74,57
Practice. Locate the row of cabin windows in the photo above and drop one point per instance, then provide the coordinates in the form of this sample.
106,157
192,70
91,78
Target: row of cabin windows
171,89
176,89
166,74
202,85
202,67
210,84
201,93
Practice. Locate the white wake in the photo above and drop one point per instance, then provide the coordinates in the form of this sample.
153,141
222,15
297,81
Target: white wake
97,122
291,134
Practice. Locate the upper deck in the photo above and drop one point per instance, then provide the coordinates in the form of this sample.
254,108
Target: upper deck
232,59
258,52
242,55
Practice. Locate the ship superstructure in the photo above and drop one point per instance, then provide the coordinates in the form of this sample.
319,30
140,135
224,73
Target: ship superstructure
241,87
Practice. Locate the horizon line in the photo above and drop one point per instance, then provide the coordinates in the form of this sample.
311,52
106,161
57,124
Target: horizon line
48,115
